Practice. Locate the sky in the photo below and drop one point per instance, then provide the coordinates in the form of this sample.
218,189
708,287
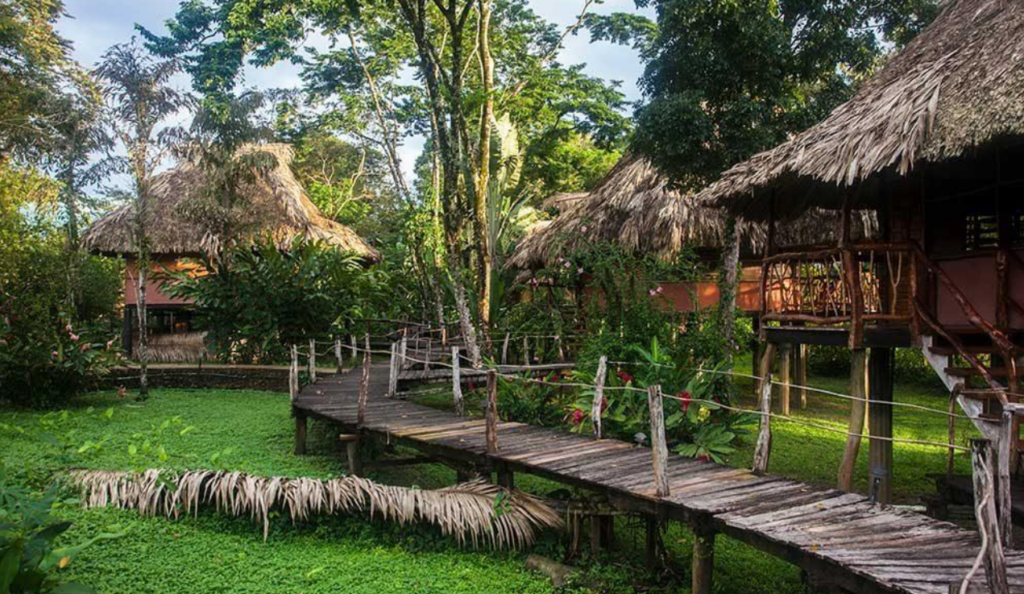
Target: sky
95,25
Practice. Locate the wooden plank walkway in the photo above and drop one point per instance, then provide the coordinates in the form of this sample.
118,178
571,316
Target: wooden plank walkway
857,546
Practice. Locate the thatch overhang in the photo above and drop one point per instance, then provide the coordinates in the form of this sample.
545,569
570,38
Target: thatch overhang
636,207
955,89
275,206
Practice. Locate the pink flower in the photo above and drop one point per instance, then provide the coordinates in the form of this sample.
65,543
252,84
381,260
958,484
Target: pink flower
85,346
659,289
583,229
68,328
577,417
74,338
567,265
110,343
652,293
54,354
579,271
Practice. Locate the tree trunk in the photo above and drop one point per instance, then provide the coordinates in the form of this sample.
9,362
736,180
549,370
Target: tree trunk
484,169
143,352
728,288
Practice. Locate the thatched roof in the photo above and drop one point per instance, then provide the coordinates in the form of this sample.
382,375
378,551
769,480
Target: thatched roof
633,206
636,207
276,205
955,88
563,201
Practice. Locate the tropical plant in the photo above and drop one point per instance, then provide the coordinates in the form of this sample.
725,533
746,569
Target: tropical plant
261,298
29,555
481,512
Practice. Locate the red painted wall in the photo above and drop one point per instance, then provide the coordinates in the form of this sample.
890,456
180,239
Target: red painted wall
154,296
976,278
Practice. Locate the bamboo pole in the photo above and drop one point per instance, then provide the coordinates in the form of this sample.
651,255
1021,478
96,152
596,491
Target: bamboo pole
597,406
763,450
858,411
457,383
659,446
491,415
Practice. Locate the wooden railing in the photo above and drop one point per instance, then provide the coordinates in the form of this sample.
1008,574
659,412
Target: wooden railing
866,282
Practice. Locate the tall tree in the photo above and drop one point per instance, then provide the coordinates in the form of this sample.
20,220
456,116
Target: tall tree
140,99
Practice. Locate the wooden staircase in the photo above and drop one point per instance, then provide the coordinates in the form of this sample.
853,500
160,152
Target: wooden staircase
979,347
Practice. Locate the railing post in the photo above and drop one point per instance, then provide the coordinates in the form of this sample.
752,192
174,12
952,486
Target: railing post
526,350
1004,454
430,352
457,382
340,364
763,450
985,510
393,371
659,447
561,351
364,384
597,406
293,374
491,417
403,349
312,360
355,350
504,350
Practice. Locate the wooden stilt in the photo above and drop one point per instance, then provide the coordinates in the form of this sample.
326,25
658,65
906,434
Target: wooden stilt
353,454
983,463
301,425
800,354
785,377
703,559
880,378
506,478
652,541
858,409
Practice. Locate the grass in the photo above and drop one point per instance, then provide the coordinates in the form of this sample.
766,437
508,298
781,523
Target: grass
252,432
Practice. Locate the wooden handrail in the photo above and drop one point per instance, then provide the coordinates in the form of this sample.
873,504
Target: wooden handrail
822,253
973,361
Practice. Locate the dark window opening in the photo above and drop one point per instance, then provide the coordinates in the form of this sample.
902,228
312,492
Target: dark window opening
981,227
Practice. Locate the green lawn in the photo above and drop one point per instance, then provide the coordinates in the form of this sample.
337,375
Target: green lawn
252,432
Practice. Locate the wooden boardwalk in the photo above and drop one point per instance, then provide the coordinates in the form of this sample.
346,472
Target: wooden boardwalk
841,539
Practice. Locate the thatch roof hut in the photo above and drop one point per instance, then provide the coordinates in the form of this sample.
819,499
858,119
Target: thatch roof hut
636,207
956,88
276,206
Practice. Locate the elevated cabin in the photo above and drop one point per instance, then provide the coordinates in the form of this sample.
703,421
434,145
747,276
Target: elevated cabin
933,144
635,207
275,206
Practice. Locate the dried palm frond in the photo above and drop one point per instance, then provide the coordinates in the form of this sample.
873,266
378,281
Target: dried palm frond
482,513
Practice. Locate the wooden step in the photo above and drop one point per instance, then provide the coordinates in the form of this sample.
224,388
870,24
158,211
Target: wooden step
972,372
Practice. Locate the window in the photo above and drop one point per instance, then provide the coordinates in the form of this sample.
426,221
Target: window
981,227
1017,227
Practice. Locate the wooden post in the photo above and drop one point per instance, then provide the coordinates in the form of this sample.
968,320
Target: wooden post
301,425
851,272
457,383
597,406
659,447
403,349
526,351
430,353
491,416
763,450
293,374
312,360
880,379
393,371
506,478
954,406
1004,455
355,351
364,385
339,362
561,351
800,373
355,461
703,559
785,377
504,350
985,510
858,408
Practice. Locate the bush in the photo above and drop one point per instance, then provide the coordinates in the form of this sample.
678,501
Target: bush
56,305
911,365
261,298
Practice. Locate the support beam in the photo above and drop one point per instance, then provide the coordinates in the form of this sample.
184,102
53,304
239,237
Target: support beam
880,379
653,542
785,377
703,559
602,528
858,409
506,478
353,454
301,426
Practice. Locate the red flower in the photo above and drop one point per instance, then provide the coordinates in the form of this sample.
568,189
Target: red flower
625,377
577,417
704,458
684,400
604,403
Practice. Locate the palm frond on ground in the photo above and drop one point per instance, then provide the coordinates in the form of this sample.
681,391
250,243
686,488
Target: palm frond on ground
476,512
